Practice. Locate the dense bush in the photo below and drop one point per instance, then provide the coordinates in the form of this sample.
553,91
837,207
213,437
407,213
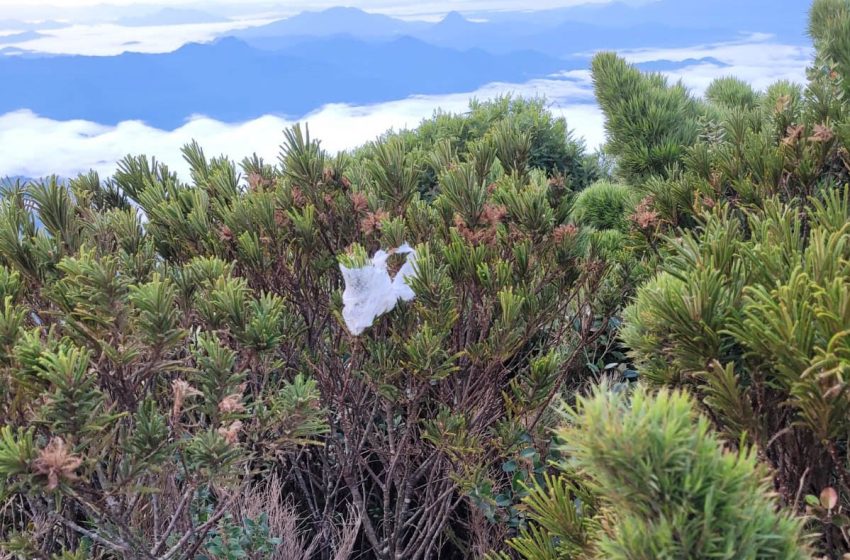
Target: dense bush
178,381
654,481
748,309
753,321
604,205
649,123
524,127
733,93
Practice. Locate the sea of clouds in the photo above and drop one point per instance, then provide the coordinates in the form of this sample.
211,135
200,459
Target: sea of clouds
34,146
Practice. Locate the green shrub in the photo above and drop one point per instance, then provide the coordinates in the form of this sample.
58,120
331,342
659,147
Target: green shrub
646,477
752,321
732,92
783,104
746,307
611,245
604,205
550,145
166,347
672,489
649,123
829,27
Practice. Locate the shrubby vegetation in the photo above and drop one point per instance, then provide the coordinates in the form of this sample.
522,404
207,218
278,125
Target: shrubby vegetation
748,307
178,382
703,501
604,206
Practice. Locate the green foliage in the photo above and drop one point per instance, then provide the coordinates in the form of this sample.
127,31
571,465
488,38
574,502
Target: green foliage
394,173
521,132
604,205
75,407
671,489
17,451
644,476
650,124
829,26
562,521
732,93
747,308
231,541
610,244
754,321
742,224
165,346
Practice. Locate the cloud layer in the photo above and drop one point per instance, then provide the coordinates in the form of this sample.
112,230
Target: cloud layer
108,39
758,59
34,146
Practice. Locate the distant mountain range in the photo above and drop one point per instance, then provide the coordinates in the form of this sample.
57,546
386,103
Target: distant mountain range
335,21
780,17
561,32
21,37
16,25
293,66
231,81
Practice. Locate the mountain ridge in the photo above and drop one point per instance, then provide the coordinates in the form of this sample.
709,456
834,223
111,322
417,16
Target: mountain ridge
558,36
230,81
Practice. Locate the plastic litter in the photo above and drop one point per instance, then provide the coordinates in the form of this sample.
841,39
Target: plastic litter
370,292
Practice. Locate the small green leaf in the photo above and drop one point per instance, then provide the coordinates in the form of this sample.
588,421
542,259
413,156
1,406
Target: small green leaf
528,453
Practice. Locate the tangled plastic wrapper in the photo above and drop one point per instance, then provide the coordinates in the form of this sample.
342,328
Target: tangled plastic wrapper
370,291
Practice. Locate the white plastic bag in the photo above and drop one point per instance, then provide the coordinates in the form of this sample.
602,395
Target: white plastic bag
370,292
400,287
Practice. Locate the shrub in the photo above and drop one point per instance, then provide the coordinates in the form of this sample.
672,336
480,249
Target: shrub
829,27
673,489
550,146
654,481
166,347
745,307
649,123
752,320
732,93
604,205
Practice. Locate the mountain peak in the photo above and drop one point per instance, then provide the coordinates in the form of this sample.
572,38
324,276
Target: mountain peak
344,10
454,18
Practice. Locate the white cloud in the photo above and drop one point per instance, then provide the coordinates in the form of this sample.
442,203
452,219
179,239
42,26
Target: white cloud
108,39
34,146
759,60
